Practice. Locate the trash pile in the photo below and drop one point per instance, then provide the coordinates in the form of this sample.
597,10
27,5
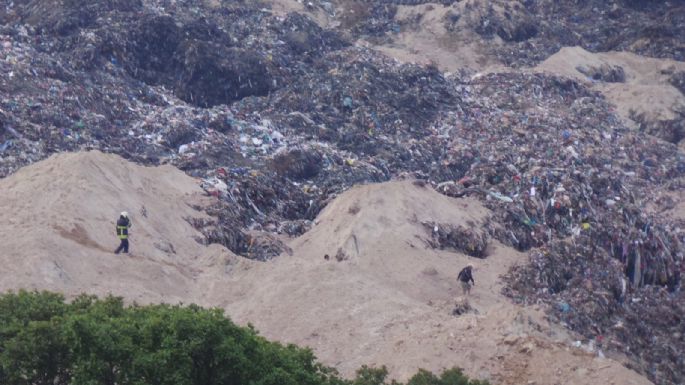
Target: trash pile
462,306
371,19
587,291
276,116
678,81
470,241
561,173
567,177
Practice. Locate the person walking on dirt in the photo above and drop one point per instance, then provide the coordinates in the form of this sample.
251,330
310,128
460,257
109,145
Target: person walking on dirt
465,275
123,224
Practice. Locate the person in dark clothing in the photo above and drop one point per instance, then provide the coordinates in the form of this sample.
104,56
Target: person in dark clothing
465,277
123,224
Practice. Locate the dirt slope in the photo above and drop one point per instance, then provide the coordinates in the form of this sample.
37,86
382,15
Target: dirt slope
425,38
58,228
382,297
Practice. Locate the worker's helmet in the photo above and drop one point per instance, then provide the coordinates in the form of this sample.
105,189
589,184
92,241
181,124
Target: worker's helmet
124,214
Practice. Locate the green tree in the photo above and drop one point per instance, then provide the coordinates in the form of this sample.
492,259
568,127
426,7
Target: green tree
452,376
32,346
424,377
91,341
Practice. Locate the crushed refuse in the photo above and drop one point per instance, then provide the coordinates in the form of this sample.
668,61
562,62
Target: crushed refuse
462,306
588,291
470,241
275,116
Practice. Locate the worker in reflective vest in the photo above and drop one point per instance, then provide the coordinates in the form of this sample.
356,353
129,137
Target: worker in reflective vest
123,224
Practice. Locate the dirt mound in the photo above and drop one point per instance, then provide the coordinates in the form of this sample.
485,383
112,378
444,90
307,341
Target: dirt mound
59,233
362,287
646,96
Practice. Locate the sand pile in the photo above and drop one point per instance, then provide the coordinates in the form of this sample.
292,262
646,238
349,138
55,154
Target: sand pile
59,228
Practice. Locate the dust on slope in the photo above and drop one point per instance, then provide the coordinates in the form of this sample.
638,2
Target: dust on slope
58,228
425,37
387,299
646,92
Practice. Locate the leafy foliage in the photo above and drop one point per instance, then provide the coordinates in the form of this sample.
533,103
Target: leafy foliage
45,340
377,376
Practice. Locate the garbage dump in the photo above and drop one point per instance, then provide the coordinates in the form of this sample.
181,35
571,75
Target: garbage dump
583,199
275,116
589,292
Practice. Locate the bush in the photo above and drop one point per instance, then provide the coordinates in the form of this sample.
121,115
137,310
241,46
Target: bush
44,340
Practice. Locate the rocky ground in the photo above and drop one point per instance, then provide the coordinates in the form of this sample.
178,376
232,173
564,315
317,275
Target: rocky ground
278,107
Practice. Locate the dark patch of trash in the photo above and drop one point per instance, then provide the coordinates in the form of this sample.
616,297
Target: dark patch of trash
670,130
604,73
462,306
470,241
677,80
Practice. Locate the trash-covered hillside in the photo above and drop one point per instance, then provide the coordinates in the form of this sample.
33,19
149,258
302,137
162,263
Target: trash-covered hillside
277,115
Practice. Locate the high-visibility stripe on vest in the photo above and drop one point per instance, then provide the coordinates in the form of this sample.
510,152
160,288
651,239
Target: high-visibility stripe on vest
122,232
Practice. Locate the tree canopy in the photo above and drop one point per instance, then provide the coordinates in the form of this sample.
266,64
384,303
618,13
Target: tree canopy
47,340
